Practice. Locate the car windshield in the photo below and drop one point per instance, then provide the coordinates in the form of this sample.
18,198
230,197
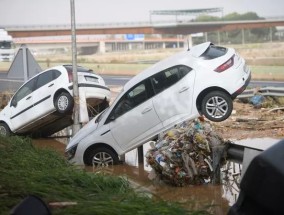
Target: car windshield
213,52
5,45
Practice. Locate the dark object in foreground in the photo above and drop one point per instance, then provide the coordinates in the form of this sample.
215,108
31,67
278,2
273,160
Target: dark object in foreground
262,186
31,205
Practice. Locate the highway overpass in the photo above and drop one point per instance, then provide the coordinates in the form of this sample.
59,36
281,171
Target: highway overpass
174,27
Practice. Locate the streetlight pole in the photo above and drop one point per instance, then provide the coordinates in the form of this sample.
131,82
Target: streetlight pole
76,125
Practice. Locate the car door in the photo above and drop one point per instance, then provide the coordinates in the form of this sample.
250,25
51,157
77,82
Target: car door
134,117
22,105
46,86
174,94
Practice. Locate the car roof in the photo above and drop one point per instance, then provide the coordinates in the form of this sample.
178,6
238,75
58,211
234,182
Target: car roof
181,58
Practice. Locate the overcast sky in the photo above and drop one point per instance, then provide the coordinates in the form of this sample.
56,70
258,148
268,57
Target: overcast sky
42,12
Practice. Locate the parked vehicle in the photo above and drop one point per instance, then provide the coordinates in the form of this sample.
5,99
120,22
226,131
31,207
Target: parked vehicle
7,48
43,105
201,81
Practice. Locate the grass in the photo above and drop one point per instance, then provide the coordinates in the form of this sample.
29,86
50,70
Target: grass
26,170
275,73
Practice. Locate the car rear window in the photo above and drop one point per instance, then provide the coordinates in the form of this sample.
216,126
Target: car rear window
79,69
213,52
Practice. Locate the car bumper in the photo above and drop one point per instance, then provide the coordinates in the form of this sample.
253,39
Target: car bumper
243,87
93,91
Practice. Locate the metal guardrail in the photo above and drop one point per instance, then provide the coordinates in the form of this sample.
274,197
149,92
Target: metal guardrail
265,91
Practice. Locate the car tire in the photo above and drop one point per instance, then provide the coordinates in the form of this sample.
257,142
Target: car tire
64,103
217,106
5,130
101,157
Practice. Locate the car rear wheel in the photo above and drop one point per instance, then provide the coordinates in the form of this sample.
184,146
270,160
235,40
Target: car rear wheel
102,157
5,130
64,102
217,106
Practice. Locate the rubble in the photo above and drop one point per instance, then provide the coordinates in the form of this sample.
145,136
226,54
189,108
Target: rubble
189,154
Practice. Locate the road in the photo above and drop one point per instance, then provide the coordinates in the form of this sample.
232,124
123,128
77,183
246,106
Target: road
111,80
121,80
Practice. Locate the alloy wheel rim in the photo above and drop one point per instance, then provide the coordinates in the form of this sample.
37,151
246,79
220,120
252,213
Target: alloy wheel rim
217,107
102,159
62,103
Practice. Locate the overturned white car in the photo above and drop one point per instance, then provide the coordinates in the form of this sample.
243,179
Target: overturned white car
43,105
201,81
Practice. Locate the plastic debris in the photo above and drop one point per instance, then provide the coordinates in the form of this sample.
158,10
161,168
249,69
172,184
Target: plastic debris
257,100
185,154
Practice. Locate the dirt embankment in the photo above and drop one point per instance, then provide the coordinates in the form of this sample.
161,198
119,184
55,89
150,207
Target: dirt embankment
247,121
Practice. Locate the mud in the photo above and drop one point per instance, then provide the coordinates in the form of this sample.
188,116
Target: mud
214,198
209,197
250,122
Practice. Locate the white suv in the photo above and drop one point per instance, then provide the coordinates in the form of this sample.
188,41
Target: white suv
203,80
43,105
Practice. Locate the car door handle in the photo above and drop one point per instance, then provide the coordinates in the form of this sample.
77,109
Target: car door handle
183,89
146,110
51,85
28,98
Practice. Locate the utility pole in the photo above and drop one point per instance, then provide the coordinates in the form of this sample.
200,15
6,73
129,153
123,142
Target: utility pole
76,125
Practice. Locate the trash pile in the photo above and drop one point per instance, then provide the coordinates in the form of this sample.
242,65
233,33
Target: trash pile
189,154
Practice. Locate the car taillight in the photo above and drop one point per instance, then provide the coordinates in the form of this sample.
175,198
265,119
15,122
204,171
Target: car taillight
70,76
225,65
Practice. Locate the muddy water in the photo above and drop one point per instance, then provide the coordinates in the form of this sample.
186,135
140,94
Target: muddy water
192,197
217,197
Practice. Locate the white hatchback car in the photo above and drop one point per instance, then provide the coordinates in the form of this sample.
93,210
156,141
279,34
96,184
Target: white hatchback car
201,81
43,105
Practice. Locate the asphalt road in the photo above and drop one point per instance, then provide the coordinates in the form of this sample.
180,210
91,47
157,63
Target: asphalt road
121,80
12,85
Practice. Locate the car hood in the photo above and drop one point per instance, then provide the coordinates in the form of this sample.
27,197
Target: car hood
198,50
90,127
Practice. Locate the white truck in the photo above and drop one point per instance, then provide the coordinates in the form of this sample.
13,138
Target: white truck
7,48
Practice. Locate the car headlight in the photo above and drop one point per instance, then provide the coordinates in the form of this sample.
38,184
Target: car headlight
70,153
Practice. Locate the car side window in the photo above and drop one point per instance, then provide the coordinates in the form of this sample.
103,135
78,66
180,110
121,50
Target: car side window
47,77
25,90
183,71
56,74
168,77
131,99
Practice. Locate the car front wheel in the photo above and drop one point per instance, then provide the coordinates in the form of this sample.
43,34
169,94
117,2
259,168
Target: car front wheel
64,102
217,106
102,157
4,130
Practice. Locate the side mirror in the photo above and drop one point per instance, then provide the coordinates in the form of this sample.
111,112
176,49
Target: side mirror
112,118
14,103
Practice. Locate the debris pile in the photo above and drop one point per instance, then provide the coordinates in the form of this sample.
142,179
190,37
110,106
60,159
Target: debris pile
188,154
4,99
